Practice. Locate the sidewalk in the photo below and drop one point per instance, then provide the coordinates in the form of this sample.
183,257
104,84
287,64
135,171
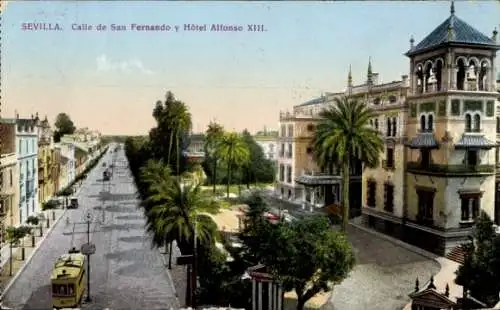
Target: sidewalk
18,264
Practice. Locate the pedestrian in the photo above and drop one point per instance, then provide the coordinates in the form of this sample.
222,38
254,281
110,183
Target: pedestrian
67,221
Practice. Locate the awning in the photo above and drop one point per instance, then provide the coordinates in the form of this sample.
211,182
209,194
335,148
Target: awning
474,141
423,140
322,179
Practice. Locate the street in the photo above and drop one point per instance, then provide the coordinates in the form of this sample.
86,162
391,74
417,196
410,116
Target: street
125,272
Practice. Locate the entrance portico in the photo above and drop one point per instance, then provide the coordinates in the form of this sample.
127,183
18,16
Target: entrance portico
319,190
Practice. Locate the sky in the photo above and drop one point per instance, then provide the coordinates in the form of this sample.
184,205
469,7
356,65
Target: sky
110,80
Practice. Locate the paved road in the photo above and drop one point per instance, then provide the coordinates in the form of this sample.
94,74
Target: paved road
125,272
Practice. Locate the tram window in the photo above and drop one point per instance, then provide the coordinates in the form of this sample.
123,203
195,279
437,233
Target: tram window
71,289
59,289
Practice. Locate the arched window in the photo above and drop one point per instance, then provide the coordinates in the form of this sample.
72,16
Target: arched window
477,123
430,123
422,123
468,123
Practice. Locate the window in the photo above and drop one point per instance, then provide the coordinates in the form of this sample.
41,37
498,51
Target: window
63,289
283,130
10,177
425,206
430,123
371,123
393,99
422,123
389,163
425,158
388,124
376,123
290,130
388,197
288,174
394,126
310,127
497,155
309,150
477,123
289,152
468,123
376,101
26,146
282,173
498,124
470,206
371,194
282,150
471,158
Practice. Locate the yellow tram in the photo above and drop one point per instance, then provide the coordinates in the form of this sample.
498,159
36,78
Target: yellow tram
68,280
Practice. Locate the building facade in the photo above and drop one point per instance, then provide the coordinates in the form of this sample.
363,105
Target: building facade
9,179
268,142
46,186
27,157
441,128
67,162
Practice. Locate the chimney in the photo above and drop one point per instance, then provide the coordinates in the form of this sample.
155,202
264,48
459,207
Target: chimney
375,78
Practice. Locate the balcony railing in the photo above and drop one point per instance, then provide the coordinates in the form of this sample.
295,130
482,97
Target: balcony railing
450,169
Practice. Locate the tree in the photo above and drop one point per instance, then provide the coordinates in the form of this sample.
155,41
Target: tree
180,211
306,256
64,125
233,150
214,134
258,168
344,137
480,272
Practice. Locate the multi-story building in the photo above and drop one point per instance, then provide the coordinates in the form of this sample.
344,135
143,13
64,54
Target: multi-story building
440,125
67,174
195,151
299,179
26,134
46,186
268,142
9,179
452,133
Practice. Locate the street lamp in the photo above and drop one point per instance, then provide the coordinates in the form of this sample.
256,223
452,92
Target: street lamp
89,249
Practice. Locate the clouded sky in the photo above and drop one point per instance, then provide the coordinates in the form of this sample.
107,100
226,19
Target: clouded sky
110,80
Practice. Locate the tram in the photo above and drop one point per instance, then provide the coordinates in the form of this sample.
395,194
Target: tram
68,280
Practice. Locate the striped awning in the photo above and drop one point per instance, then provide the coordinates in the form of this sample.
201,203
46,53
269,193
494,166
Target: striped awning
423,140
474,141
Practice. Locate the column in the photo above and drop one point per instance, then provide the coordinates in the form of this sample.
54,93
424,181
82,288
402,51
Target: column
313,192
280,293
260,295
304,197
470,209
270,295
454,71
254,294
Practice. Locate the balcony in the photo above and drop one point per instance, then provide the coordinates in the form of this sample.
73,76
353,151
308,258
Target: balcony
440,169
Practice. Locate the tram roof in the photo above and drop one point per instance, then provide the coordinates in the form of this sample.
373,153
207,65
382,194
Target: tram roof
68,266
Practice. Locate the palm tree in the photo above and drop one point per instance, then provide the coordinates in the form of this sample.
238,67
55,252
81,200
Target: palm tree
344,135
233,150
180,211
214,134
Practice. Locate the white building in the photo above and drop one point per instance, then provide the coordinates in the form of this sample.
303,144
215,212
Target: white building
268,142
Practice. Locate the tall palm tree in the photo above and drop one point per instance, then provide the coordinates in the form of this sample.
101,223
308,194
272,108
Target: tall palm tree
214,134
233,150
180,211
344,135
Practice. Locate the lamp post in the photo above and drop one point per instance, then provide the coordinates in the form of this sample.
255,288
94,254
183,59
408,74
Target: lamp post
88,220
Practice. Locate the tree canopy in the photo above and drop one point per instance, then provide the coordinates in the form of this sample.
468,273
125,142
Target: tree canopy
480,272
63,125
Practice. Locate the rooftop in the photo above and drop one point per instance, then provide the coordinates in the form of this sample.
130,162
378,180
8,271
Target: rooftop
453,30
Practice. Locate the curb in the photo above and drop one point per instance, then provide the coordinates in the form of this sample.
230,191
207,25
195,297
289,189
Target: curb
27,261
165,264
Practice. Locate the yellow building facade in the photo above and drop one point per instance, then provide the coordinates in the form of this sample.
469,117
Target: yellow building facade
441,127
